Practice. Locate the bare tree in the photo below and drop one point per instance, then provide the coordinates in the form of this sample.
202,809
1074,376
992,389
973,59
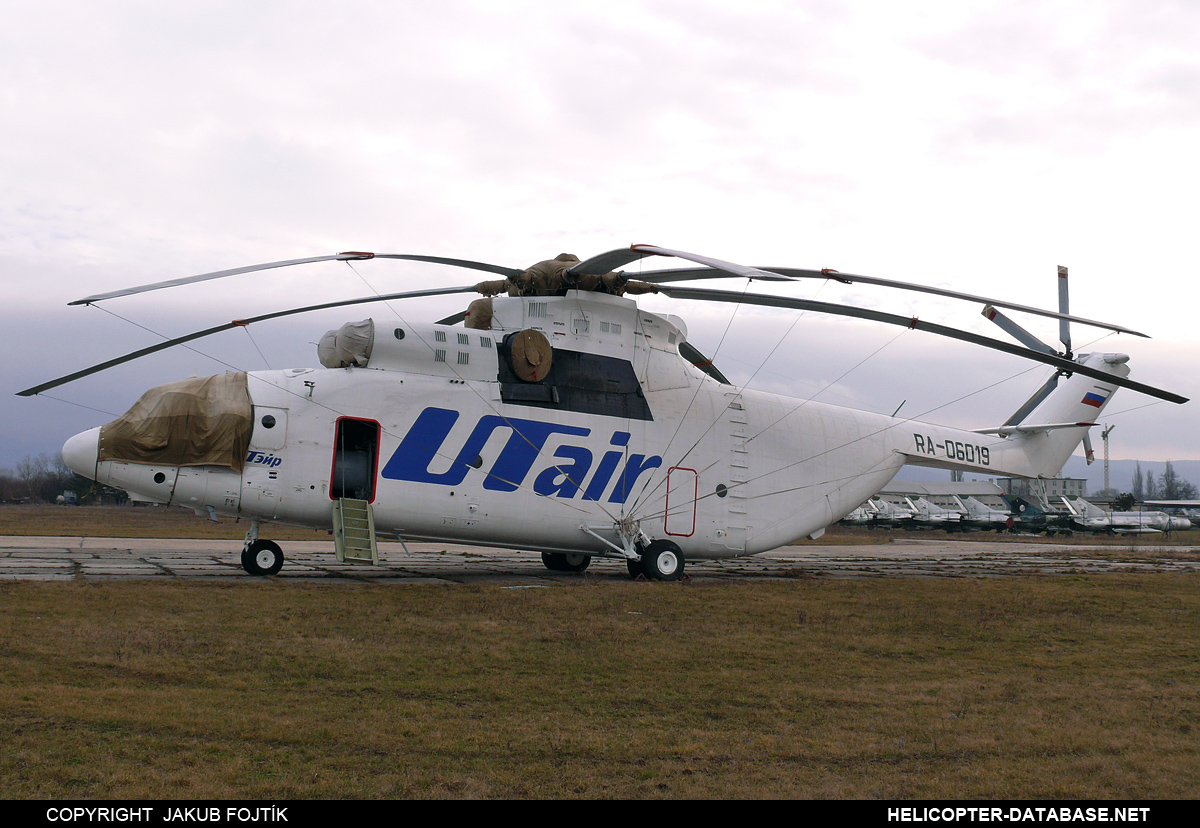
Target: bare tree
1175,487
33,472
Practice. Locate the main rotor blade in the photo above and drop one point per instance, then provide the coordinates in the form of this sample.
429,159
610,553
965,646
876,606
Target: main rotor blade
452,319
340,257
717,264
610,261
219,274
911,322
689,352
237,323
467,263
683,274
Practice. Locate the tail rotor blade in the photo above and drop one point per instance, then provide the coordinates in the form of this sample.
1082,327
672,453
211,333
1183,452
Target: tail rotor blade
1016,331
1034,401
1064,305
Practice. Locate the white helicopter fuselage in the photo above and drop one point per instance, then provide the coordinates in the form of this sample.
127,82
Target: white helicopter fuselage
446,447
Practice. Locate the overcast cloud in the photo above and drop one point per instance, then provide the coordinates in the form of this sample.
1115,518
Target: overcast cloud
969,144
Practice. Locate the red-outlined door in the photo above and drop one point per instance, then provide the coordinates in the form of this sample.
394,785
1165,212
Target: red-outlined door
355,459
682,487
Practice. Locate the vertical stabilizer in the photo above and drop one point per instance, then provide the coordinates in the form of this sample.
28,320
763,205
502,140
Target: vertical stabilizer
1076,399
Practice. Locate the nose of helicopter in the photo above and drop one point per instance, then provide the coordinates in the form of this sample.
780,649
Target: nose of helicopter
81,452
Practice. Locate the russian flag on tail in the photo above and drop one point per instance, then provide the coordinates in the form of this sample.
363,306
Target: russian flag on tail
1096,397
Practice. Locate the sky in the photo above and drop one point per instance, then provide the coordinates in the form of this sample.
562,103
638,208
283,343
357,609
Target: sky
969,145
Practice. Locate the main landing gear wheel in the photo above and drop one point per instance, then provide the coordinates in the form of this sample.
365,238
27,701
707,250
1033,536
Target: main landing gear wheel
662,560
263,557
566,562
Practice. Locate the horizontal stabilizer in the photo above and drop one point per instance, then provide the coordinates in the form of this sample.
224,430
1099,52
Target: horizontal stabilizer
1006,430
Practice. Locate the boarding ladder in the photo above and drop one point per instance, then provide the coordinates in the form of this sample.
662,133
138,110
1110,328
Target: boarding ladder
354,531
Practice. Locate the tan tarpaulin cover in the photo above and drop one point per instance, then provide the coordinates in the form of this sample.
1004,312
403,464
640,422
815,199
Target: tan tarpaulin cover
203,421
349,345
551,277
479,315
531,355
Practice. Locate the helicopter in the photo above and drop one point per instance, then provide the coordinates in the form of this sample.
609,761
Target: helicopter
559,417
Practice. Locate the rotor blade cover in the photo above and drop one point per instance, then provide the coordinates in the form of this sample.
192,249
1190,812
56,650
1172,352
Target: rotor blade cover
350,345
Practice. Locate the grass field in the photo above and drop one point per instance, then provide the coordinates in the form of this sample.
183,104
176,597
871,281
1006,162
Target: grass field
132,522
1041,687
1038,687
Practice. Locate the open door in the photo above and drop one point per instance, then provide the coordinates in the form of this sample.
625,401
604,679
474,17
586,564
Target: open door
355,460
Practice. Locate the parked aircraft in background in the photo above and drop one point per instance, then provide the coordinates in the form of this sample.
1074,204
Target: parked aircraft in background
931,516
1038,518
1186,508
979,515
888,514
1089,517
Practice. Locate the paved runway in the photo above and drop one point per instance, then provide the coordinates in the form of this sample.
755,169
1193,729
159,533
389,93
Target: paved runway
97,559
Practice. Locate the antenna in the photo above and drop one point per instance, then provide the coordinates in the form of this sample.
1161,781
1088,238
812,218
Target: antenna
1104,437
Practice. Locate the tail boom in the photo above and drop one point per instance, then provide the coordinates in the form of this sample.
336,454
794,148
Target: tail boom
1040,449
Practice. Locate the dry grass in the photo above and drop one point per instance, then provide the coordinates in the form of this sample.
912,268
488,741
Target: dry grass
131,522
1066,687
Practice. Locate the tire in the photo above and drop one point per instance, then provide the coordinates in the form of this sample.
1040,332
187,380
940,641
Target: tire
263,557
575,562
663,561
635,567
248,562
566,562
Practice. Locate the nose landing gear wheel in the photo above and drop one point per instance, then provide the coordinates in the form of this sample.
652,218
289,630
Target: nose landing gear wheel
263,557
662,561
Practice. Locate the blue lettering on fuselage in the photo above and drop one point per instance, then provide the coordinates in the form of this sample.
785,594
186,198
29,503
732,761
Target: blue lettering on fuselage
425,441
262,459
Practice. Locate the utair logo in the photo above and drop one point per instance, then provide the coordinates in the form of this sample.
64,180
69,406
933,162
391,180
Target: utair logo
260,459
425,439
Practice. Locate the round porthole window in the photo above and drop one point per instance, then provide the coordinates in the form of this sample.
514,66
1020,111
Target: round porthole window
477,462
722,490
399,332
268,421
159,477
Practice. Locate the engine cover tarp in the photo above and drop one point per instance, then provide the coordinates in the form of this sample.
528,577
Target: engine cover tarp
349,345
203,421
